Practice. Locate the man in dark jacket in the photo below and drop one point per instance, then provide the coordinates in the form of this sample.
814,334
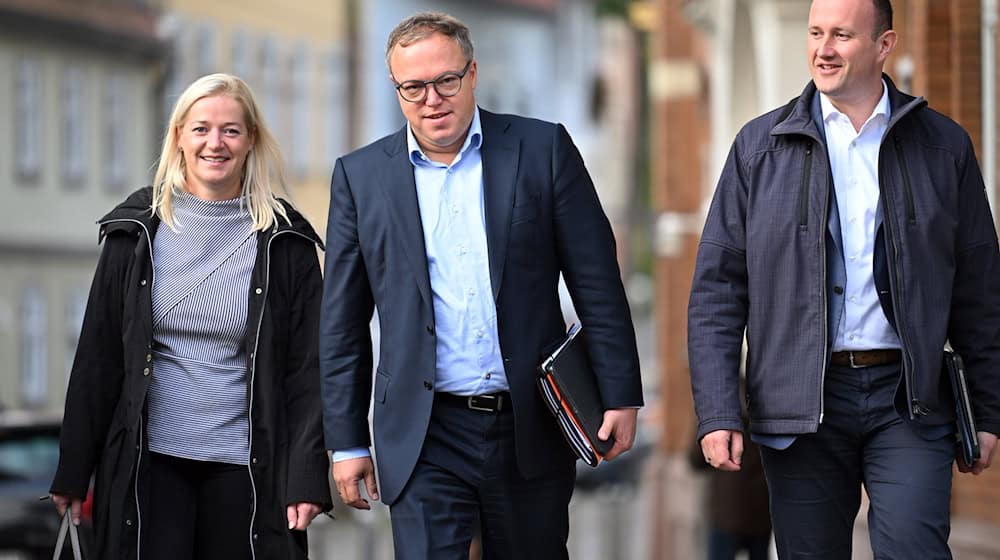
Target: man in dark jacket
850,237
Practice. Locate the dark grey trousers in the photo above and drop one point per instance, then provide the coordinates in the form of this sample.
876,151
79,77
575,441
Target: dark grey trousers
906,469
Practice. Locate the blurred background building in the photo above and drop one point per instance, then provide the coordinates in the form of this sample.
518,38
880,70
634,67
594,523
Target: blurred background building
653,92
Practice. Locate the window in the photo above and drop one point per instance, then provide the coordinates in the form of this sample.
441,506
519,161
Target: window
299,149
117,133
76,306
34,364
74,161
28,100
337,104
242,49
270,91
204,55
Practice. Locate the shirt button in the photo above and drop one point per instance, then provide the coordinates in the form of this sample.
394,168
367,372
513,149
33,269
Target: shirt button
472,291
852,337
488,375
850,298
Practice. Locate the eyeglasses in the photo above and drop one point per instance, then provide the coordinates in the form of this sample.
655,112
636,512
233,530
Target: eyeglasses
446,85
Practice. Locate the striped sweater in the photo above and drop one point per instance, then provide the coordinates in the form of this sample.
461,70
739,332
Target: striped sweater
198,389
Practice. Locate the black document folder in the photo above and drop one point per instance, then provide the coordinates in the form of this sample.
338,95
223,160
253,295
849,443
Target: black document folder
968,439
569,389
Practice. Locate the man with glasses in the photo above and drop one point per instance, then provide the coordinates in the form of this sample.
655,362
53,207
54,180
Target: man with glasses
456,229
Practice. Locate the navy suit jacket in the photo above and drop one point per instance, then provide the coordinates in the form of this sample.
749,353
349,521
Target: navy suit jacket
543,217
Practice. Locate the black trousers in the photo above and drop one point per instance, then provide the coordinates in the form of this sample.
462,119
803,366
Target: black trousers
467,475
197,509
815,485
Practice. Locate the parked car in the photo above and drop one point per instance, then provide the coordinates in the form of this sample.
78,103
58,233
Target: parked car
29,454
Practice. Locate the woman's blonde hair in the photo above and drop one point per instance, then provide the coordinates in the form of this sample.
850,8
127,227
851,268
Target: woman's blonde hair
262,167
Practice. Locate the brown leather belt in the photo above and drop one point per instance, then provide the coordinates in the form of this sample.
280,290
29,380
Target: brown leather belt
866,358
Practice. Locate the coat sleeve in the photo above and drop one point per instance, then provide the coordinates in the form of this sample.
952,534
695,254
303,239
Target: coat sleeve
95,381
307,462
718,307
974,324
345,343
588,259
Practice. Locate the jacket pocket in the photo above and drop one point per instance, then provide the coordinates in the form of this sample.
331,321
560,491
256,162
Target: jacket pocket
381,385
527,212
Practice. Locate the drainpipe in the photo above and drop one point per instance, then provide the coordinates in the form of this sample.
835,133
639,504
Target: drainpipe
988,45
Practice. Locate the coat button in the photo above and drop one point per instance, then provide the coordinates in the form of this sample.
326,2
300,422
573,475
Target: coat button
128,522
430,329
255,536
428,385
254,460
259,291
142,282
838,290
145,371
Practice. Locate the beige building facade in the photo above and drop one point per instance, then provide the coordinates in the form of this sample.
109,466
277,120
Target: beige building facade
79,100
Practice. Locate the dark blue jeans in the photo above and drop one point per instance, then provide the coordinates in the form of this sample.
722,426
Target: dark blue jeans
815,485
467,475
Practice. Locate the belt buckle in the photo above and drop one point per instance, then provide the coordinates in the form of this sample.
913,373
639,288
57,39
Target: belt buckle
850,359
493,400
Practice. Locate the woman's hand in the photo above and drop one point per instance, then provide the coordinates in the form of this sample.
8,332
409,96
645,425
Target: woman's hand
75,505
301,514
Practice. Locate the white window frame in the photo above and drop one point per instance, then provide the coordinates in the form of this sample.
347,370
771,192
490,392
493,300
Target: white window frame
28,117
117,134
34,346
299,157
72,130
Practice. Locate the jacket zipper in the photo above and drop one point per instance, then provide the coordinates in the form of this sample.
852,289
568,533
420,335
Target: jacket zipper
138,455
253,369
911,214
806,172
895,288
825,306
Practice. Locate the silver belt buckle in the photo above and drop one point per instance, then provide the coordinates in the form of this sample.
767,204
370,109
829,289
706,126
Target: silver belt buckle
850,358
491,398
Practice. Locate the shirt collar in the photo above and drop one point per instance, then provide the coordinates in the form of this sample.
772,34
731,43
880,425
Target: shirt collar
881,108
473,140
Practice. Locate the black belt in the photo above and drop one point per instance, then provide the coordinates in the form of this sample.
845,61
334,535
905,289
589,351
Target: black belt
493,402
866,358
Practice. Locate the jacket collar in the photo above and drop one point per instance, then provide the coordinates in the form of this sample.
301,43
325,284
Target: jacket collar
135,212
800,119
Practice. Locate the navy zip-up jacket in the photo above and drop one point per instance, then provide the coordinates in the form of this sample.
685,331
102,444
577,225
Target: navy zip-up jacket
762,269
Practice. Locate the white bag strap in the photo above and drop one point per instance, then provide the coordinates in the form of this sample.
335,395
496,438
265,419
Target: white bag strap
74,538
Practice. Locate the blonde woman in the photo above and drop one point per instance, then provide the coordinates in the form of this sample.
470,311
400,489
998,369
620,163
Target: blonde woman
194,395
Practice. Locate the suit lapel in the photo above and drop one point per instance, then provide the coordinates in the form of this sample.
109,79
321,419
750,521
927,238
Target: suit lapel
500,158
400,190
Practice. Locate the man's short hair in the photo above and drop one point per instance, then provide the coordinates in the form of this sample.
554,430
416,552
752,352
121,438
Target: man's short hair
423,25
883,17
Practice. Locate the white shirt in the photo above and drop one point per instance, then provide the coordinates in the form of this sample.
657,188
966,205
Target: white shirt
854,163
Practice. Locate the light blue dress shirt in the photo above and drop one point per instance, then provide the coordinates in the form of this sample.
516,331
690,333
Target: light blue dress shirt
452,212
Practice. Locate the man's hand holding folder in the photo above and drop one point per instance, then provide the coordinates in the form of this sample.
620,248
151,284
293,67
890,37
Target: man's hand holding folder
987,448
568,386
619,423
